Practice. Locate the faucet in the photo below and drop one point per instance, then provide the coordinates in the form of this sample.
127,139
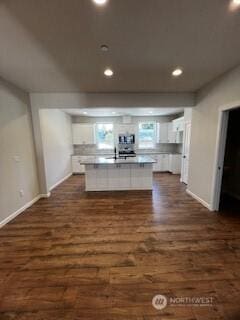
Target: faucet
115,153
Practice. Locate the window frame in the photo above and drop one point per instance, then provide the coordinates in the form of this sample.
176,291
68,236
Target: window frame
154,142
96,135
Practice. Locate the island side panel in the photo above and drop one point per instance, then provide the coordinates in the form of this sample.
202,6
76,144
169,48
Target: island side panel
113,177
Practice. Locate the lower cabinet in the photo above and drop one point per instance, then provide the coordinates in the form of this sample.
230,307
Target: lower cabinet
141,176
161,164
175,163
77,167
167,162
118,177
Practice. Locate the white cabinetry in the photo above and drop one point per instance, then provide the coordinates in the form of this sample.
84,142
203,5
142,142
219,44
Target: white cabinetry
161,164
141,176
77,167
118,177
178,124
170,132
175,163
83,133
126,128
162,132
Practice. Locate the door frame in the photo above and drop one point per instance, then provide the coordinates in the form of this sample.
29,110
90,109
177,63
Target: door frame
220,152
183,150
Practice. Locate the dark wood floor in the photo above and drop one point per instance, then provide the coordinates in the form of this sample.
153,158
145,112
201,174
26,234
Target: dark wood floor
105,255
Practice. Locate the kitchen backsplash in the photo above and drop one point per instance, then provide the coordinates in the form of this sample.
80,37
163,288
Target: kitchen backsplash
91,149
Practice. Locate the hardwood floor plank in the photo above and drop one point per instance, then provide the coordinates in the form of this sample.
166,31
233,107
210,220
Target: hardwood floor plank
105,255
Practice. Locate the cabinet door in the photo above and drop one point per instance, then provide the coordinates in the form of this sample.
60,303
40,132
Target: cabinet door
141,176
102,177
83,133
124,176
91,177
165,159
163,162
171,133
175,163
162,134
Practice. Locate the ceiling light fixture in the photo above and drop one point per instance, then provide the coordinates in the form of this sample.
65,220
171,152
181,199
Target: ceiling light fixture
104,48
108,73
234,5
177,72
100,2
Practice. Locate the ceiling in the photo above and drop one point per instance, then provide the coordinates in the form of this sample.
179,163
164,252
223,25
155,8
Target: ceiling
114,112
54,46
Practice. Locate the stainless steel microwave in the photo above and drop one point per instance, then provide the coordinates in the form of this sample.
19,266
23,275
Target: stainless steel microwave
126,139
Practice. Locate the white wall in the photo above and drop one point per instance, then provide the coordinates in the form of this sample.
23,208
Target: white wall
16,143
56,129
205,117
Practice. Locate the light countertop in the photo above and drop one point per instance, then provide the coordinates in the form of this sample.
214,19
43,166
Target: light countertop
109,160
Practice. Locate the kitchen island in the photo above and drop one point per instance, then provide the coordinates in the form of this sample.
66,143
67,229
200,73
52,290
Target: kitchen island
110,174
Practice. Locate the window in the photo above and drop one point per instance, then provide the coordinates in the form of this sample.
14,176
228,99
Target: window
147,135
104,135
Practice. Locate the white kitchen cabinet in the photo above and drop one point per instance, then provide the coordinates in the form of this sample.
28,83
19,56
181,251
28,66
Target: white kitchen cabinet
83,133
163,160
161,164
175,163
119,177
171,134
178,124
162,132
141,176
77,167
126,128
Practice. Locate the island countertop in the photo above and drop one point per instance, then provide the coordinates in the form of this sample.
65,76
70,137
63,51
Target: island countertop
111,160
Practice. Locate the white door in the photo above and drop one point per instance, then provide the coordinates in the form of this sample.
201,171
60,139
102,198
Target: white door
185,155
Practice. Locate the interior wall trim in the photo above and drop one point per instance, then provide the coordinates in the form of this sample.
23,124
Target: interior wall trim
204,203
60,181
16,213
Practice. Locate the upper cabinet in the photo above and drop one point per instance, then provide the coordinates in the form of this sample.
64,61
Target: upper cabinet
170,132
162,132
83,133
178,124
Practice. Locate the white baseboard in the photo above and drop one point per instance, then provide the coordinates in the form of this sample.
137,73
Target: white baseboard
16,213
60,181
45,195
204,203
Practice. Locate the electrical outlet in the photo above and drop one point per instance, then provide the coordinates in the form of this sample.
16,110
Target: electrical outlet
21,193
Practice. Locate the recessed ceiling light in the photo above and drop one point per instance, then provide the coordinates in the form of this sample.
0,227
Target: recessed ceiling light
108,73
236,2
104,48
177,72
100,2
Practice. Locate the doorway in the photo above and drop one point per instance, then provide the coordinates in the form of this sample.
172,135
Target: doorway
230,187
